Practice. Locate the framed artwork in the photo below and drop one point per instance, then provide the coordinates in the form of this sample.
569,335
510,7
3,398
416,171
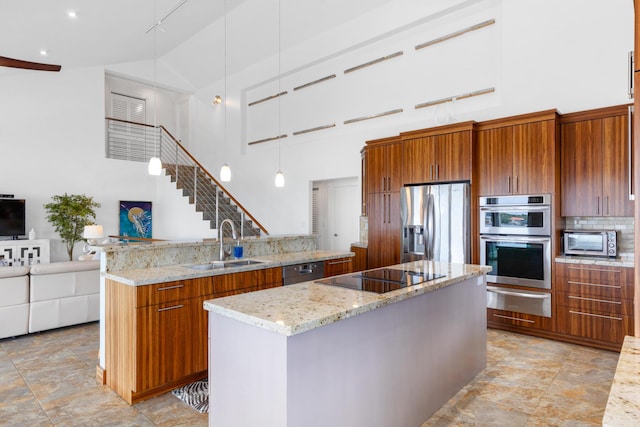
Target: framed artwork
135,219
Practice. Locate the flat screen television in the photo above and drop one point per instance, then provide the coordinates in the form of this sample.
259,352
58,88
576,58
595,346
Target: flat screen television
12,218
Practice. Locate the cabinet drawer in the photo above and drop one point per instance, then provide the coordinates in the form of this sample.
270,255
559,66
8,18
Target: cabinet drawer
518,319
236,281
583,323
615,282
335,267
271,277
601,305
170,291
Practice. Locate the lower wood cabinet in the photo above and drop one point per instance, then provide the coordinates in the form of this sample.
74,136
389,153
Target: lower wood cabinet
360,260
594,303
156,335
335,267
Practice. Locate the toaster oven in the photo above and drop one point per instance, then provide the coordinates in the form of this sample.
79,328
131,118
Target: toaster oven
591,243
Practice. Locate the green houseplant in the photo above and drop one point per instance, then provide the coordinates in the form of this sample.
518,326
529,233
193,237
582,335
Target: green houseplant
69,214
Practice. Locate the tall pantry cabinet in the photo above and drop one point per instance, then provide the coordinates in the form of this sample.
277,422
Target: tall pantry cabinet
636,161
383,174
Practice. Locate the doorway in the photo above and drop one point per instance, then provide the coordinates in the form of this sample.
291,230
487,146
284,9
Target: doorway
335,213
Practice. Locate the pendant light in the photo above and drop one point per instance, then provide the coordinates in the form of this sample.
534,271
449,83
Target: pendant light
279,180
155,164
225,170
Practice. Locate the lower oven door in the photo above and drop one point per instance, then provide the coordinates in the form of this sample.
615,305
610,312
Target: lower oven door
519,301
517,260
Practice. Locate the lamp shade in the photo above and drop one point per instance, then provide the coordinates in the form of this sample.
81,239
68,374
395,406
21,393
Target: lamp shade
93,232
225,173
155,166
279,179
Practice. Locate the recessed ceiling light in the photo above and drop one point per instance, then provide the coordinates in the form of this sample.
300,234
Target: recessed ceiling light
43,52
72,14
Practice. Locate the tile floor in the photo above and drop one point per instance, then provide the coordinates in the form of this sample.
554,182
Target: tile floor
49,379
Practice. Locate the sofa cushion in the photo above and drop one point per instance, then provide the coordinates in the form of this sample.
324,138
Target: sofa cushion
14,320
14,290
13,271
65,267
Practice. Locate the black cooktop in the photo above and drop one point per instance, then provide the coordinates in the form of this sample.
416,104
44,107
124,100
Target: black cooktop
381,280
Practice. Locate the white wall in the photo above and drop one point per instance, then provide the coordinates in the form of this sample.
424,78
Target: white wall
569,55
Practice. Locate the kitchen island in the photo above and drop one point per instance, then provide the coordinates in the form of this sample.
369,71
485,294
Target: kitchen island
316,355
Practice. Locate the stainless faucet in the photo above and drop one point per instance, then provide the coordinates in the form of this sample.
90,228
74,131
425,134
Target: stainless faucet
233,234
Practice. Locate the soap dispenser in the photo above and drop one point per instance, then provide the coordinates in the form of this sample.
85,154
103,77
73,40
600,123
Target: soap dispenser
237,250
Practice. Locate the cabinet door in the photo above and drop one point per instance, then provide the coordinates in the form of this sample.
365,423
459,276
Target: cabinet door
171,342
495,161
453,156
384,230
533,158
394,167
376,173
581,167
419,160
615,164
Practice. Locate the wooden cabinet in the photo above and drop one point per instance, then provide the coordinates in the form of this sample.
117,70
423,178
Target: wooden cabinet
360,260
156,335
364,190
517,155
384,181
595,163
384,165
384,229
595,303
335,267
438,154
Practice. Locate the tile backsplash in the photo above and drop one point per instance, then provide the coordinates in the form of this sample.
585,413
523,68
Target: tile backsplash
623,225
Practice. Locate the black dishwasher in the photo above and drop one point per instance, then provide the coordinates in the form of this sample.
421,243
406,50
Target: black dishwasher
302,272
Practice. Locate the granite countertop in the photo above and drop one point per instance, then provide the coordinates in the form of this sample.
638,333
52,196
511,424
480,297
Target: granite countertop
584,260
623,406
170,273
293,309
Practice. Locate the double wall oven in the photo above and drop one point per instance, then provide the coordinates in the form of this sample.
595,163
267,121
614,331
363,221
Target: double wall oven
515,239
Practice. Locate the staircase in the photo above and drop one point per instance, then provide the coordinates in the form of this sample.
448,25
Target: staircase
138,142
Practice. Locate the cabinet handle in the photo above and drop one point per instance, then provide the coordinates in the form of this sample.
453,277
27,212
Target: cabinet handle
170,287
596,300
437,172
593,269
339,262
509,184
515,184
430,172
606,202
384,183
595,315
629,150
388,183
171,308
593,284
597,205
513,318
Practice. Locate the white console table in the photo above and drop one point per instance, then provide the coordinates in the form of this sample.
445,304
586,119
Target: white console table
24,252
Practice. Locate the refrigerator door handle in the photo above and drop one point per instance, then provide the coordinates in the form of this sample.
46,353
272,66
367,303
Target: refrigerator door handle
429,224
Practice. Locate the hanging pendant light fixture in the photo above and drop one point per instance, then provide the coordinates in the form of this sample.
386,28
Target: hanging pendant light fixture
225,170
155,164
279,180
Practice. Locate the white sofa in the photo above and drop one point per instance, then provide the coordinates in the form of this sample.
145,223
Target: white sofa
63,294
14,301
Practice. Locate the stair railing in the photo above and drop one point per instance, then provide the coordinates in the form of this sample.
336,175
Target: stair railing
129,140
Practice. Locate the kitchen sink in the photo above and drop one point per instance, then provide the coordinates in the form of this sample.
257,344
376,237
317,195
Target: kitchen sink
224,264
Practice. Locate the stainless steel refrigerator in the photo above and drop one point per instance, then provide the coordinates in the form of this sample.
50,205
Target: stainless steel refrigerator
435,222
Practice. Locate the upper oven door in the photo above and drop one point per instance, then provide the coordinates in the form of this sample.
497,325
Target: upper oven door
516,220
516,260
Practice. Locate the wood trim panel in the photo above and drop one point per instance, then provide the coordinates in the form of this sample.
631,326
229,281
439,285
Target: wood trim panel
517,120
597,113
439,130
383,141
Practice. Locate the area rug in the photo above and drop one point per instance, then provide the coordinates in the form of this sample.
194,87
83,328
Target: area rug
195,395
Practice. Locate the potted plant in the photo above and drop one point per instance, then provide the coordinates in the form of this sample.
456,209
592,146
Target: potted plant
69,214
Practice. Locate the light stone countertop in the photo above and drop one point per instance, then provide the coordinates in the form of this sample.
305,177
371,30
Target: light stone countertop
293,309
623,406
170,273
612,262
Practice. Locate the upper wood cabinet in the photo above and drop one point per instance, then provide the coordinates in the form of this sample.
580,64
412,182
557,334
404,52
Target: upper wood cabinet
438,154
383,165
517,155
595,163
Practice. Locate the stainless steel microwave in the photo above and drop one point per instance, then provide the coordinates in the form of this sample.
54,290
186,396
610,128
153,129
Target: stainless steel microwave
591,243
